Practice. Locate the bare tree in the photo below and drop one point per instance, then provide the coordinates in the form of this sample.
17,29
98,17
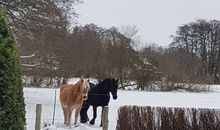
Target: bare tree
131,32
200,39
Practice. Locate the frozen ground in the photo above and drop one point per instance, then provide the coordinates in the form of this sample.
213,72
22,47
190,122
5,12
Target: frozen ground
45,97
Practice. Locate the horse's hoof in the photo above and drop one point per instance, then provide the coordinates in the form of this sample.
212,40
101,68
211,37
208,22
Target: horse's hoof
92,122
83,121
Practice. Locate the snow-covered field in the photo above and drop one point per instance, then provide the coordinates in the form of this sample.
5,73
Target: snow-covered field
45,97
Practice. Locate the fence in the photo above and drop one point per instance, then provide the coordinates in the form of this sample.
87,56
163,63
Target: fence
48,111
38,117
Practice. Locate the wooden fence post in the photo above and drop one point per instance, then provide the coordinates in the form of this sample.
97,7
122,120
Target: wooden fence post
105,118
54,107
38,117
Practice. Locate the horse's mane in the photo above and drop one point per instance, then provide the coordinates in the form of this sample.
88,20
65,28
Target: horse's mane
102,86
78,82
82,83
103,82
77,85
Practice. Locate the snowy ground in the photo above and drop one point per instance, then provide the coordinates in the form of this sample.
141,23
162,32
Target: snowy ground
45,97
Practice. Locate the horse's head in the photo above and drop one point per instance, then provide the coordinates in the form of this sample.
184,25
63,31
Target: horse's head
85,87
114,88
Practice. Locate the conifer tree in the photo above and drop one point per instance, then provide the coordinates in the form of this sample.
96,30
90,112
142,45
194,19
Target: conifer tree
12,108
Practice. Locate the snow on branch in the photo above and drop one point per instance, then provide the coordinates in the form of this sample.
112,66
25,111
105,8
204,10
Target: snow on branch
30,65
29,56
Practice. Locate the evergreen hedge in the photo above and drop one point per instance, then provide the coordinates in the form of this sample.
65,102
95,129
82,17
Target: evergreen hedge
12,108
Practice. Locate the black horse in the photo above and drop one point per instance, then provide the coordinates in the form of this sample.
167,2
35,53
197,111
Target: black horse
99,95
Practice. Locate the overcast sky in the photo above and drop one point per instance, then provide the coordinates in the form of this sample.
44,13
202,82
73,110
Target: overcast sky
155,19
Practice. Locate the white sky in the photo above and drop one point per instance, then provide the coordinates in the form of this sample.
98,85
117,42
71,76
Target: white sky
155,19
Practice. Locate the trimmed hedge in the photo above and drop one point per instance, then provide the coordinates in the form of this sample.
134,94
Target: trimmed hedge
161,118
12,108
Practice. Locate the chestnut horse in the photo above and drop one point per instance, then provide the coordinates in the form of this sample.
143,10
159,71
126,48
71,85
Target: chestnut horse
72,97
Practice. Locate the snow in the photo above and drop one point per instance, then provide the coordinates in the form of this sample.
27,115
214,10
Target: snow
46,96
30,56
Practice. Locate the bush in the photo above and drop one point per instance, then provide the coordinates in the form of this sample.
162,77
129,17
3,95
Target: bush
12,110
161,118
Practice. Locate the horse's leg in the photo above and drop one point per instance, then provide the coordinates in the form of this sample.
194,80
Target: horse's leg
86,115
92,122
68,116
77,114
101,117
83,113
65,116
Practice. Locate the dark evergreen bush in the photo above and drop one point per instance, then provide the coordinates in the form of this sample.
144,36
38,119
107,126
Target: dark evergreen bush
12,108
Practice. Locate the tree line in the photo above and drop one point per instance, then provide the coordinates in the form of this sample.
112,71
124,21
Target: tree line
62,51
199,41
94,51
91,51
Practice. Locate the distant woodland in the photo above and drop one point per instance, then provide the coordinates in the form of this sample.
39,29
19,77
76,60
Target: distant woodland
62,49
